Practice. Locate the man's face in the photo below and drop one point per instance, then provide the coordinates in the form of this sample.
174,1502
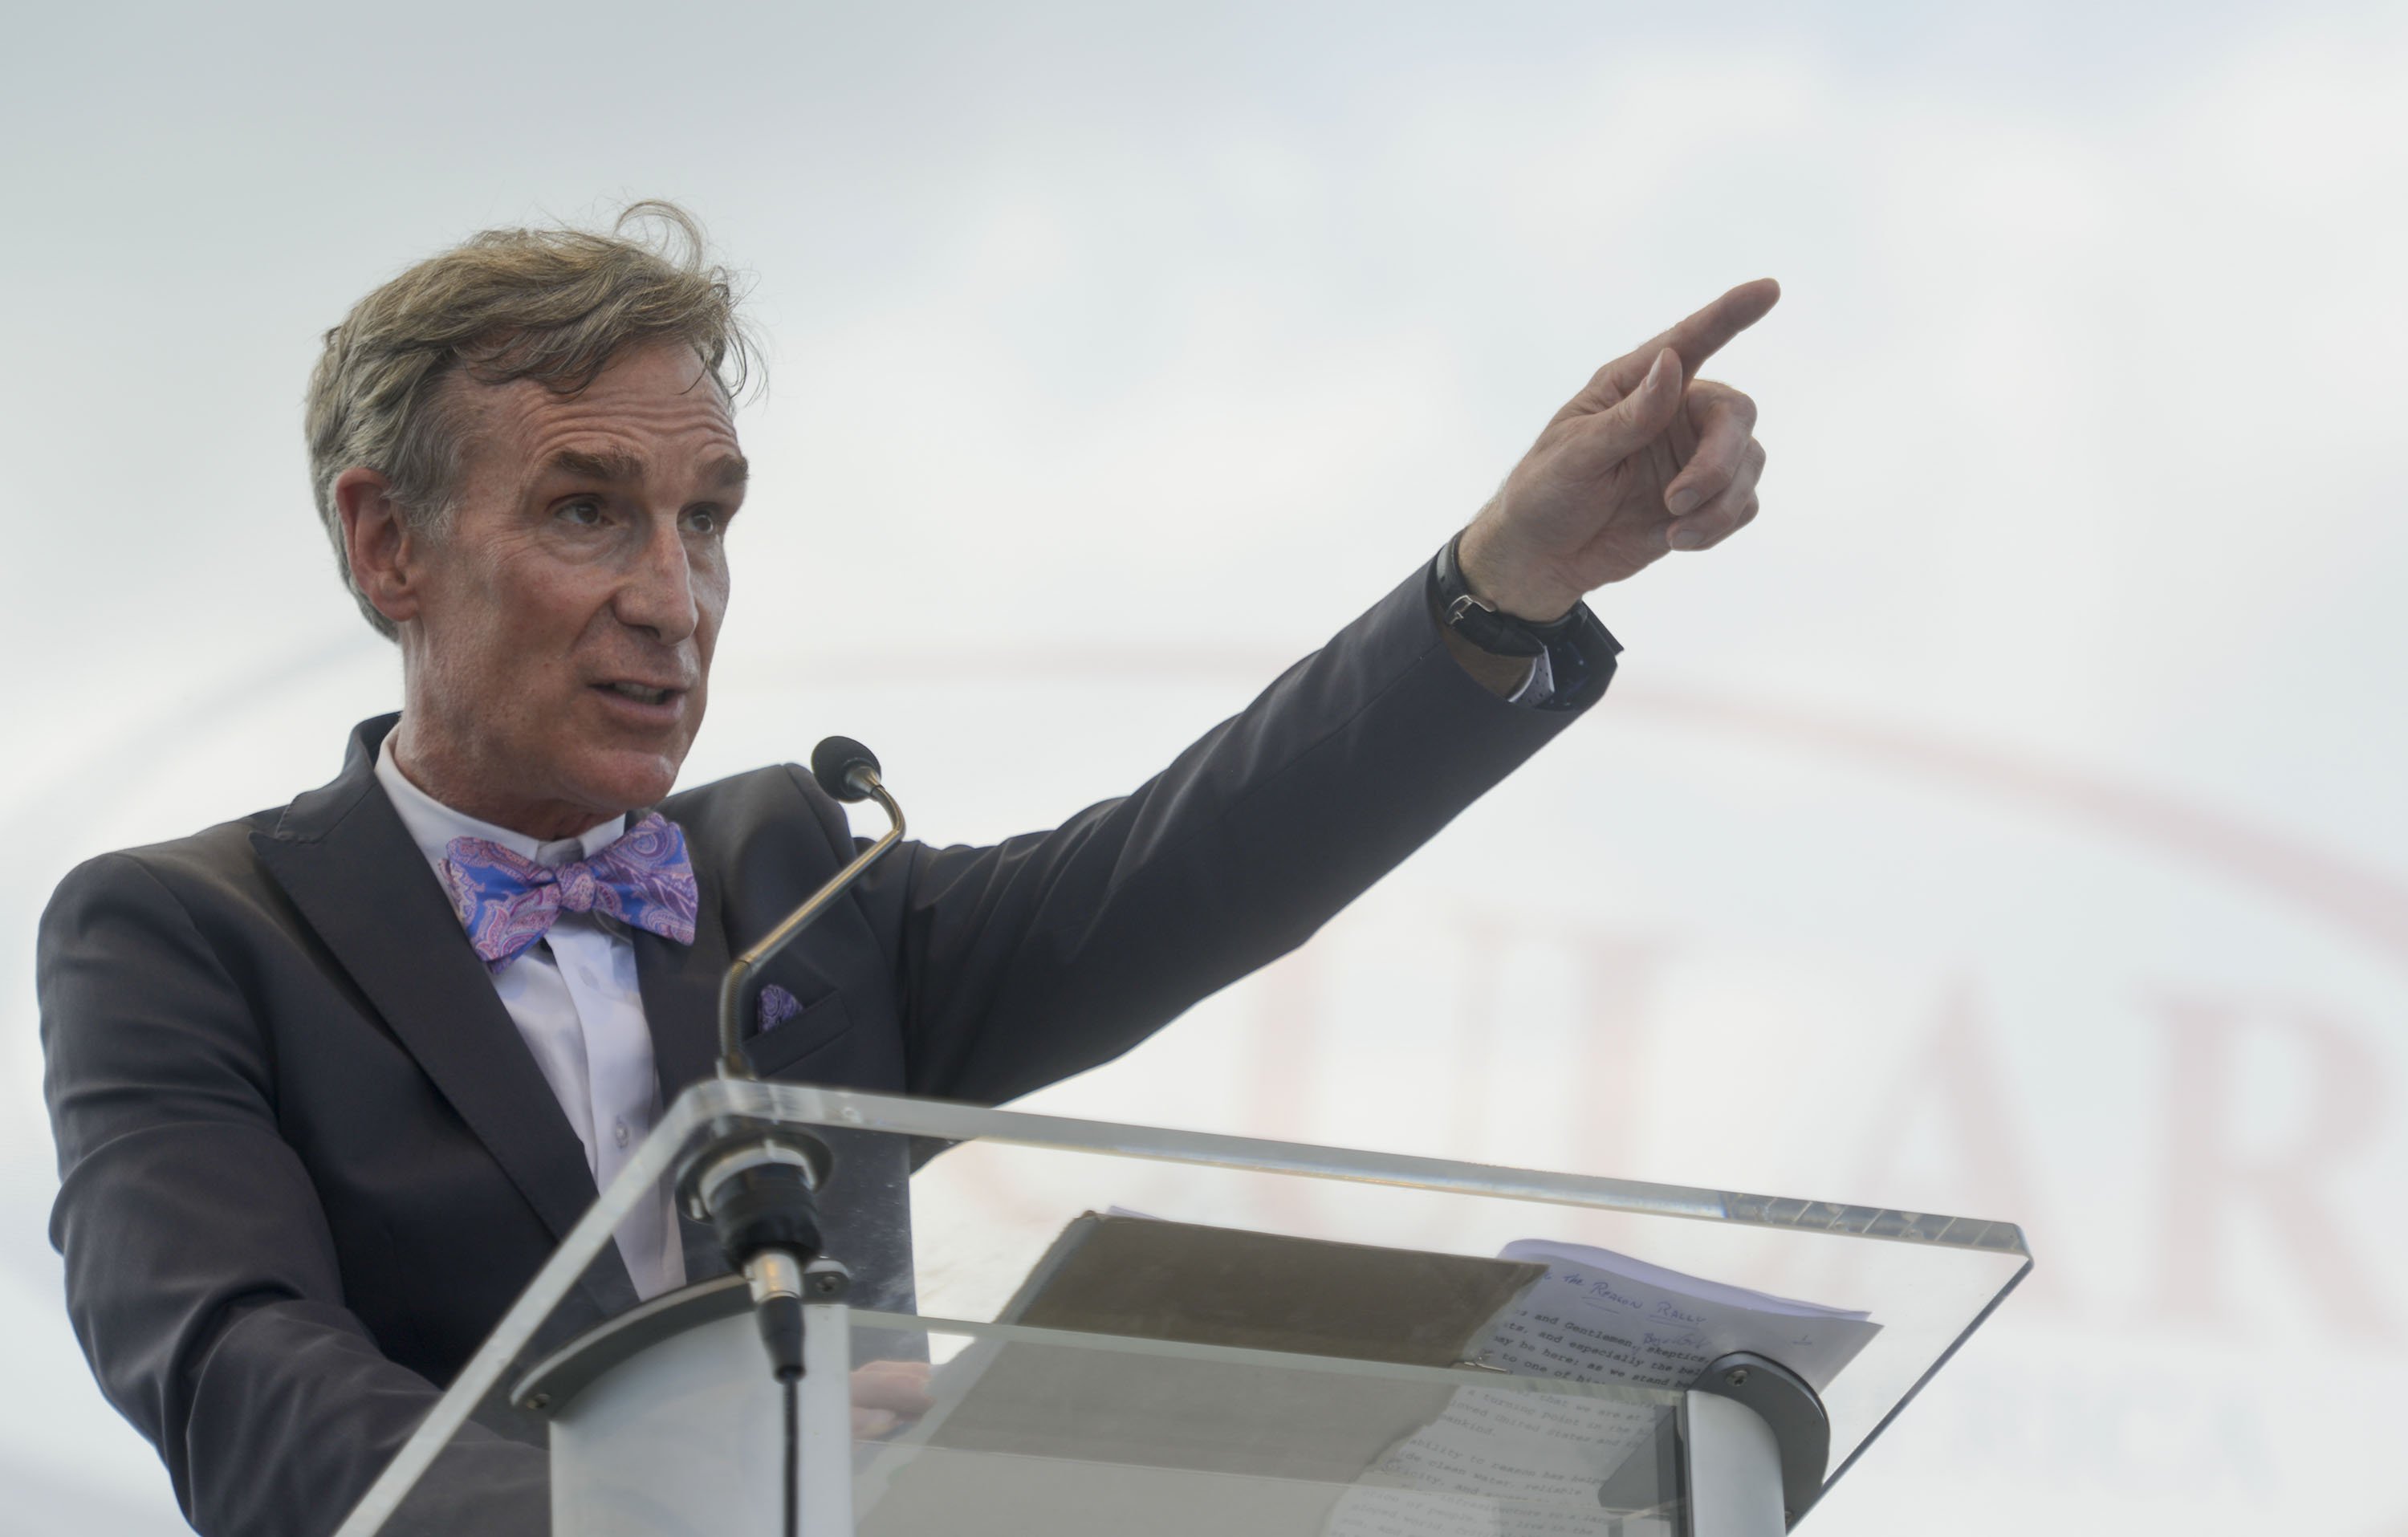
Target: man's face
557,659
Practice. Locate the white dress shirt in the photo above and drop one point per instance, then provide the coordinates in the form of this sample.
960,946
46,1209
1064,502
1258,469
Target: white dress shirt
574,997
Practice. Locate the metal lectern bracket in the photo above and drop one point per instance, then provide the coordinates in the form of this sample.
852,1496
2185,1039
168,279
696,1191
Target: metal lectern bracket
1782,1398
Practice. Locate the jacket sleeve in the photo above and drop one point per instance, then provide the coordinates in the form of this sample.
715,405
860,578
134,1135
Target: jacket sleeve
1024,963
201,1278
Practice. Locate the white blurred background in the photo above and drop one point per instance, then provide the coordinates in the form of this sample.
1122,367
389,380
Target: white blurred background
2010,822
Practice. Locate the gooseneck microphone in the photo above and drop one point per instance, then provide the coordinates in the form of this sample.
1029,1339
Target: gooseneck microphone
755,1182
849,771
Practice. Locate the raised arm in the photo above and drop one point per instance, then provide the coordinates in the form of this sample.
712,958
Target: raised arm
1035,959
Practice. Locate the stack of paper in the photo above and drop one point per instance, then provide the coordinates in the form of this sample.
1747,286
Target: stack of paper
1203,1423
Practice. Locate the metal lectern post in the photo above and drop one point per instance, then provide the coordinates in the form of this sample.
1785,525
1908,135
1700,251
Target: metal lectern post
1747,1452
1734,1469
827,1411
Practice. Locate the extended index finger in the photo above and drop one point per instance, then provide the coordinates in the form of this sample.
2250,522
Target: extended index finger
1703,334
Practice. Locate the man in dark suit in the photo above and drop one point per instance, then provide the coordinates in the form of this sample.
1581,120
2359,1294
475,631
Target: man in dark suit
330,1081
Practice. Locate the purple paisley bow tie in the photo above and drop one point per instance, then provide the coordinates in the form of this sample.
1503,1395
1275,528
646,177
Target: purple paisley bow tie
507,901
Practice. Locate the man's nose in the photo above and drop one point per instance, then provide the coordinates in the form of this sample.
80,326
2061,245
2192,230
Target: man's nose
658,594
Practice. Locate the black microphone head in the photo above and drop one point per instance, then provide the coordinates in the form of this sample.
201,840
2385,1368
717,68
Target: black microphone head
832,762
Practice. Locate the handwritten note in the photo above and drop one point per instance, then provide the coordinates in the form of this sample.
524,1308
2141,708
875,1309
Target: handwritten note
1600,1317
1504,1463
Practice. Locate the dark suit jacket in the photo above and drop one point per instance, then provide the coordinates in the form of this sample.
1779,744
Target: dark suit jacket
307,1162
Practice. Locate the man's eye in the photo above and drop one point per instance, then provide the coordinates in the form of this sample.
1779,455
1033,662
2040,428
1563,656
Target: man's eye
703,520
584,512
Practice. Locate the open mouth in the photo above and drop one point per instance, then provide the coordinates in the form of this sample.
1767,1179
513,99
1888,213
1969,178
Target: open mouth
640,694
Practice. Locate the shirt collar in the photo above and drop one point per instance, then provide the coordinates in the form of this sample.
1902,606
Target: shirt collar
432,825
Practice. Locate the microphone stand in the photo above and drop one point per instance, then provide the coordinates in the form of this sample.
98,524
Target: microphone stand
756,1182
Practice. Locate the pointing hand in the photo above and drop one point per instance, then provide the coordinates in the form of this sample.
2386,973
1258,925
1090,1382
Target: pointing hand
1647,459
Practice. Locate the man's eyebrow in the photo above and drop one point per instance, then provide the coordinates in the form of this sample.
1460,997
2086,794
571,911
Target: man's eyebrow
614,466
729,472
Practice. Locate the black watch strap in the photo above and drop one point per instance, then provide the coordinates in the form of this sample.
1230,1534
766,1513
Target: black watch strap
1580,651
1486,625
1477,620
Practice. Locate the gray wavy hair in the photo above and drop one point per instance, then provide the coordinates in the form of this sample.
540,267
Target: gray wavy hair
551,305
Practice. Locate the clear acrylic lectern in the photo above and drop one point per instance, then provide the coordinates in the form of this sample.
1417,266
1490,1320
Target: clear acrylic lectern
1295,1346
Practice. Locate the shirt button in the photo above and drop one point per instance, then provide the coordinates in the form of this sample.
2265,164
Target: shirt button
619,1133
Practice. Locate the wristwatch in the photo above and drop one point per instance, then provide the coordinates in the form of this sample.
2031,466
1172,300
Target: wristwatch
1579,649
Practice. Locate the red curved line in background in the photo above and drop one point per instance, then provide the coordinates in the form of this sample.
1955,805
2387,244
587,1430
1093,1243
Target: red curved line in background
2359,900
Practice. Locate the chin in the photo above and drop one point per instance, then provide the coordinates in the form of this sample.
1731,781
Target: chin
623,780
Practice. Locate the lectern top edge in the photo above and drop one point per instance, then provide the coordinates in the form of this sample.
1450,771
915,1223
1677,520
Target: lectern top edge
952,1122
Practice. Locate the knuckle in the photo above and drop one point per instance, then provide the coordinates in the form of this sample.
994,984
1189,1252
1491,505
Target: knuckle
1730,396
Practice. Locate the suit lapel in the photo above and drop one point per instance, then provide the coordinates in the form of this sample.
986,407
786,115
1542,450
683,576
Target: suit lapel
680,989
343,856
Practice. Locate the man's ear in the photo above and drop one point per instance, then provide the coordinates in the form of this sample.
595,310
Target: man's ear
377,542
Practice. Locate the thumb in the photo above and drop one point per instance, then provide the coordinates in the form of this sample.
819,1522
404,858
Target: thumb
1638,418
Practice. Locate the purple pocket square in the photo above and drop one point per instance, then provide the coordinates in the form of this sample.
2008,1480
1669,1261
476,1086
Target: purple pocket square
777,1006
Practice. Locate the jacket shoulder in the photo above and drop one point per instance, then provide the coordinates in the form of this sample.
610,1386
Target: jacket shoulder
214,858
